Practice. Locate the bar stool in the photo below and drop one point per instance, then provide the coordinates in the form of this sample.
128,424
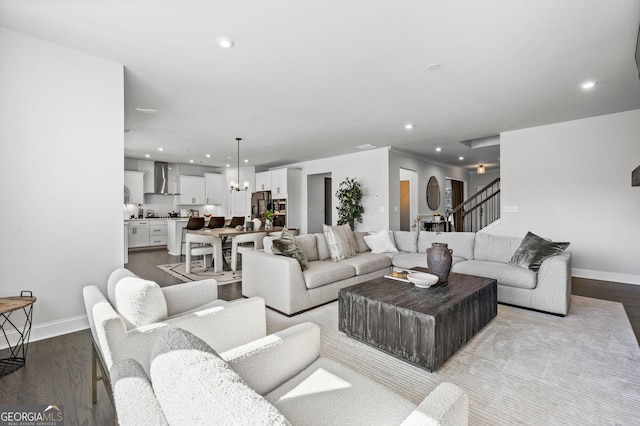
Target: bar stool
216,222
244,243
235,221
193,224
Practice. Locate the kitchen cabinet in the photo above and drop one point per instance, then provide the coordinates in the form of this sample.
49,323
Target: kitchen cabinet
134,187
279,183
158,232
191,190
138,234
213,188
263,181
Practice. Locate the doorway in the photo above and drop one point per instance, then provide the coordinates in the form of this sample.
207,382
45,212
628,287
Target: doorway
319,202
455,197
408,198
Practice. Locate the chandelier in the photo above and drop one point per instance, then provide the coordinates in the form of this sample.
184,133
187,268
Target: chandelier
235,186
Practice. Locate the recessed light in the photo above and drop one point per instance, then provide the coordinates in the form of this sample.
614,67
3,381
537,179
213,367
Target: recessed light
460,158
409,126
366,146
208,155
225,42
148,155
438,149
191,161
147,110
588,85
433,67
246,161
160,148
228,165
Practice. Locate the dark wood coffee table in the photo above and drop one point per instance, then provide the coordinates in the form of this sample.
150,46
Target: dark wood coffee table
422,326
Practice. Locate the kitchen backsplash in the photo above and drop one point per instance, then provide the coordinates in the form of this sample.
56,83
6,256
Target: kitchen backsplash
163,204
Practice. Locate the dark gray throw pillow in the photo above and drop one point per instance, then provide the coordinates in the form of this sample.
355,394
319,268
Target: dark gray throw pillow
286,246
534,250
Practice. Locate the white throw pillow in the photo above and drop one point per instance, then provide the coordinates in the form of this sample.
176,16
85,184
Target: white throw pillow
341,242
380,242
140,302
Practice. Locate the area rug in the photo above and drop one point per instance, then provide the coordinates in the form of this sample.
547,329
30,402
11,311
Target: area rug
198,272
524,367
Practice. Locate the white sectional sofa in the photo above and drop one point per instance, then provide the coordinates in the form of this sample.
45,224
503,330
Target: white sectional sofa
488,255
190,384
284,286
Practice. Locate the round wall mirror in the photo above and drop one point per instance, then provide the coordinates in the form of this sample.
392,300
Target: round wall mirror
433,193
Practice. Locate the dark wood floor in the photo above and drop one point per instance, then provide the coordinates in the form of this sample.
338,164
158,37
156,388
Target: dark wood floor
58,370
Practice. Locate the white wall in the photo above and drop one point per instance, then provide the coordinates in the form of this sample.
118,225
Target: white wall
61,133
571,182
425,170
480,181
370,168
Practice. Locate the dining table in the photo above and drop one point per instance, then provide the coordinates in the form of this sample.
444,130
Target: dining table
217,237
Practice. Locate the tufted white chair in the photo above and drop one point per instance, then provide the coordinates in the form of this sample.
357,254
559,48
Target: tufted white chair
126,323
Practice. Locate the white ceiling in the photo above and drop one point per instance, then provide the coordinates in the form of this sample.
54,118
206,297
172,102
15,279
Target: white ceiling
309,80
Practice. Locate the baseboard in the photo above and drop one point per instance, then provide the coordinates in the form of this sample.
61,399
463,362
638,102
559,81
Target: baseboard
606,276
50,329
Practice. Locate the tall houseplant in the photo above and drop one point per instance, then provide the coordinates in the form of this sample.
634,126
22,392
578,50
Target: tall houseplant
350,202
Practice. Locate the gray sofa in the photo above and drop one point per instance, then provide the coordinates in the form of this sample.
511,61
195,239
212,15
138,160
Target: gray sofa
487,255
280,281
284,286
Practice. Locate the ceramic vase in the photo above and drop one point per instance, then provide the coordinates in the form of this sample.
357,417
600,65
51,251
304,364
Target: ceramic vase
439,261
257,223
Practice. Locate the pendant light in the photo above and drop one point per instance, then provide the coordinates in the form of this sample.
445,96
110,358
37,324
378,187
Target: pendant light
236,186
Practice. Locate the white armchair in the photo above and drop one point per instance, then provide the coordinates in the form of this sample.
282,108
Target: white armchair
279,379
127,324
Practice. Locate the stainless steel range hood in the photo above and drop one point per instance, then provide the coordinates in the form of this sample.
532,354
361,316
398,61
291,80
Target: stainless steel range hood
162,179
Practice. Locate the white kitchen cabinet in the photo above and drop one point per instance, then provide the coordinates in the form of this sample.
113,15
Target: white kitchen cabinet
158,232
263,181
213,188
191,190
279,184
138,234
134,183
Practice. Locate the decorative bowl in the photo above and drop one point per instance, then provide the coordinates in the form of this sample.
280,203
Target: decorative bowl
422,279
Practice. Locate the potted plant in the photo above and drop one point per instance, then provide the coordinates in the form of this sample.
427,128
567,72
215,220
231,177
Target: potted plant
350,207
268,218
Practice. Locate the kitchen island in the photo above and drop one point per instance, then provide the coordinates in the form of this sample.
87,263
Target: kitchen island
174,234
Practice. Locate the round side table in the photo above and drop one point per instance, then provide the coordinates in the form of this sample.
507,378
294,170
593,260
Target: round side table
18,351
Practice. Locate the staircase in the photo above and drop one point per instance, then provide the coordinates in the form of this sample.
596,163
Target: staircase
479,210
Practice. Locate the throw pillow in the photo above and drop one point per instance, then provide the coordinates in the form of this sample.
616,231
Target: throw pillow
195,386
287,246
308,244
534,250
341,242
380,242
361,245
140,302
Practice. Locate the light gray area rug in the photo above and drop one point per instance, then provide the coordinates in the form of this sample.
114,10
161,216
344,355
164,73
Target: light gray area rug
524,367
199,272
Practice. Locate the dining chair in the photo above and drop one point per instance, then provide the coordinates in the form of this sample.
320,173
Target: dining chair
193,224
244,243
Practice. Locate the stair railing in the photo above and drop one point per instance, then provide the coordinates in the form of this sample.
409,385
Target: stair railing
480,209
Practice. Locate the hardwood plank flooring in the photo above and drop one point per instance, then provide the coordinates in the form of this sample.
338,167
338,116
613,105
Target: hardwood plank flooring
58,370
